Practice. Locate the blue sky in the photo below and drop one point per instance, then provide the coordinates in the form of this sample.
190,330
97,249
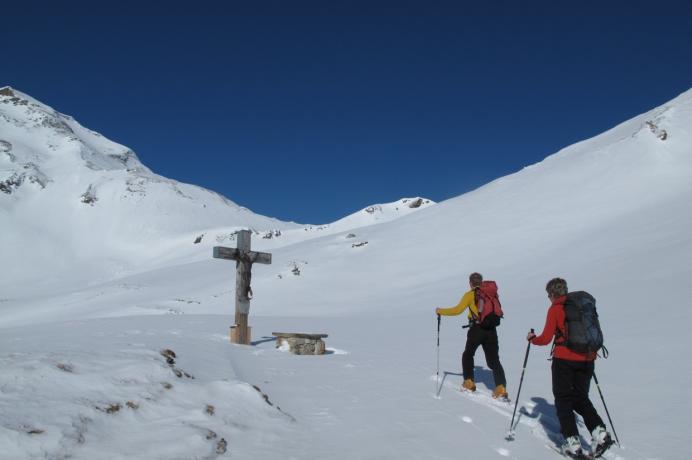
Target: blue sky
308,111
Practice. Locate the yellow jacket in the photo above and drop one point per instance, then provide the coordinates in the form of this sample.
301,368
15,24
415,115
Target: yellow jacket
468,300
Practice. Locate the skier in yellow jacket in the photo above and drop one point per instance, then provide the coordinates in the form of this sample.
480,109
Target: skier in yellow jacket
478,336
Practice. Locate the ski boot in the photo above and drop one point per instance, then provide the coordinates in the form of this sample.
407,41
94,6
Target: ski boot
572,449
468,385
500,393
600,441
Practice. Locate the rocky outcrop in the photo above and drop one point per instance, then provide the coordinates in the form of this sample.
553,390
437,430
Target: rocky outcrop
662,134
31,173
417,203
271,234
89,197
6,148
11,97
6,91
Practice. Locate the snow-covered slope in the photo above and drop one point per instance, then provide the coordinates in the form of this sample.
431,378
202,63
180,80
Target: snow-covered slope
351,225
605,212
72,199
380,213
71,196
610,214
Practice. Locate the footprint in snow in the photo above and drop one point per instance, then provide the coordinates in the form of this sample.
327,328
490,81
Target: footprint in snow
502,451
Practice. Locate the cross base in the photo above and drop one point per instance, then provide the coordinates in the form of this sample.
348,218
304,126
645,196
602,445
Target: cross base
238,337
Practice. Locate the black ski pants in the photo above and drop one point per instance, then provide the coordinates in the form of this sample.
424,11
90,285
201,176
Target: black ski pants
571,381
486,338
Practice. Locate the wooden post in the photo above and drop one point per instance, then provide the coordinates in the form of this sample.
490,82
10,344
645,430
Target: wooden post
244,257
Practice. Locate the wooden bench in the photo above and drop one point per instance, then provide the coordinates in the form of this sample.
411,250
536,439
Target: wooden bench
301,344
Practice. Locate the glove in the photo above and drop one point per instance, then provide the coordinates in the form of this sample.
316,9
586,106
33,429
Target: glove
530,335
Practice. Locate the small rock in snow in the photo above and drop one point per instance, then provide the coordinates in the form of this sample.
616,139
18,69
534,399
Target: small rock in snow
221,446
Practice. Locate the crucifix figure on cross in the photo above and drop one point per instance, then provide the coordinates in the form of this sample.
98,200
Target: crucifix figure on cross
244,258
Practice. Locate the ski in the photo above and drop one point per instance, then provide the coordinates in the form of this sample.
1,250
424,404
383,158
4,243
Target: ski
598,453
559,451
477,393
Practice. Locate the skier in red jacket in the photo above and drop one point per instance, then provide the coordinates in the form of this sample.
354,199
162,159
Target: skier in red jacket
572,373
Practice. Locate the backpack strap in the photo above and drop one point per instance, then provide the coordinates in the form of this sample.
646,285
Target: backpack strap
557,335
475,316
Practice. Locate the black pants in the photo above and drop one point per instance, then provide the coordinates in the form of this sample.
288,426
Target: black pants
571,381
487,338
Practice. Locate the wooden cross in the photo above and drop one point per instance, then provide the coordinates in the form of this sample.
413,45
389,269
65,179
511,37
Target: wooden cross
244,258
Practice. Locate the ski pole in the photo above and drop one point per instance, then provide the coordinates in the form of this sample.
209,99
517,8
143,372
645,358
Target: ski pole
606,408
437,382
516,402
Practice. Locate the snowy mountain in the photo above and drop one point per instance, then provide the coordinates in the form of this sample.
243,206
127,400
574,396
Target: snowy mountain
75,198
380,213
610,214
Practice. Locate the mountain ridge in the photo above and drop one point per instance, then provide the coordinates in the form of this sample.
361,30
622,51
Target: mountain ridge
75,197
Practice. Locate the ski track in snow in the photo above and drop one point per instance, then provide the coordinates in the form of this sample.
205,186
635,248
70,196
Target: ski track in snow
537,429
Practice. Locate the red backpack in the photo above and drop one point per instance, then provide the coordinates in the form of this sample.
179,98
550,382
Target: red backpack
488,304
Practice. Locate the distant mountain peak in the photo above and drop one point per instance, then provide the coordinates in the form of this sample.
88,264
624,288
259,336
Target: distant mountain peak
53,169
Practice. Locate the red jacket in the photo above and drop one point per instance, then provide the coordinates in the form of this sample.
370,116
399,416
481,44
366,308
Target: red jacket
556,321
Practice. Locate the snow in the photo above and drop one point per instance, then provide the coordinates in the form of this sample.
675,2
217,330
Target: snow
122,399
91,295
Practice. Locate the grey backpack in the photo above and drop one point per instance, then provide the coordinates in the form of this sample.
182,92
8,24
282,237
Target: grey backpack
582,329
